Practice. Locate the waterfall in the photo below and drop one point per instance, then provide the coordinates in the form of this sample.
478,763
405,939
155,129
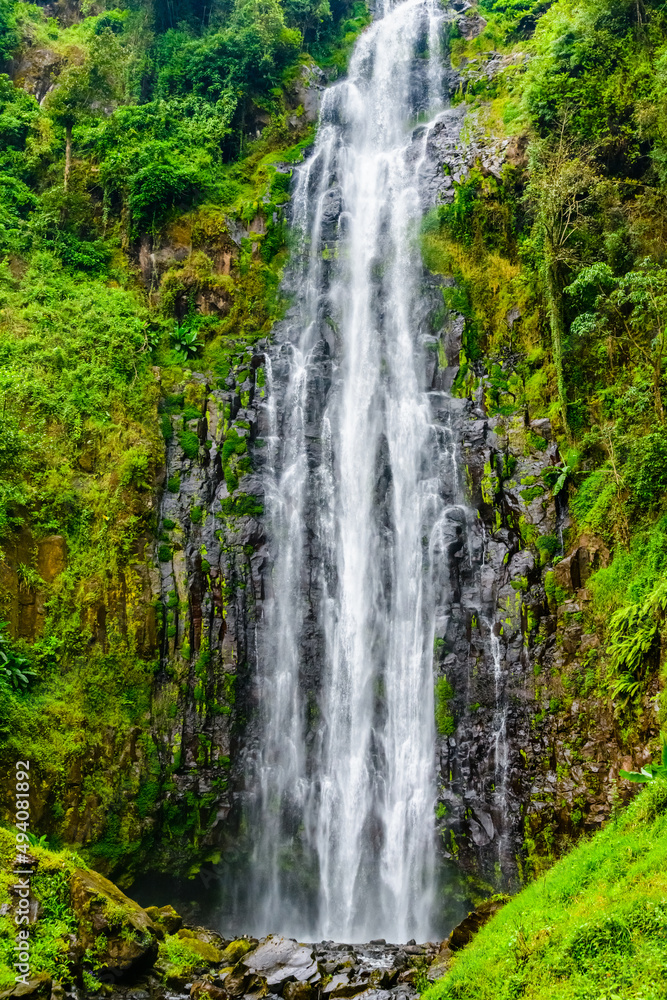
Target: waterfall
342,782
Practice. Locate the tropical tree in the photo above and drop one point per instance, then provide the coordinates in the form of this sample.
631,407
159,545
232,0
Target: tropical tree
86,84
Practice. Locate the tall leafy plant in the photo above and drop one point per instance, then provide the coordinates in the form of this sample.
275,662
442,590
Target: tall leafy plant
15,671
650,773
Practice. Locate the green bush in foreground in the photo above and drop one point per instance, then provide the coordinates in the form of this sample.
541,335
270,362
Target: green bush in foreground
593,928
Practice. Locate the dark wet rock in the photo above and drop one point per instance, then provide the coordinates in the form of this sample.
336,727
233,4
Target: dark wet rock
36,71
37,988
165,918
440,964
464,932
299,991
306,91
471,25
207,991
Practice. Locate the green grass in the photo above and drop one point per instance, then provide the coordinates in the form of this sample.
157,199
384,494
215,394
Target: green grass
593,928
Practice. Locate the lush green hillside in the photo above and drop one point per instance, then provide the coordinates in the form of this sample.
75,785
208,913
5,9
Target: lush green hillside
126,129
594,926
560,261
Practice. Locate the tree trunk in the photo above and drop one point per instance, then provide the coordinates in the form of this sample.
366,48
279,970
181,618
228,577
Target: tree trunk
68,154
657,379
242,126
557,333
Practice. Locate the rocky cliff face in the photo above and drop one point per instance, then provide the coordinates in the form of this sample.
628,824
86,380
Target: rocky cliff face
532,754
527,751
210,555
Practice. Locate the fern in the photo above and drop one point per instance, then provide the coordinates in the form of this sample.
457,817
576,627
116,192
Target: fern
15,671
633,634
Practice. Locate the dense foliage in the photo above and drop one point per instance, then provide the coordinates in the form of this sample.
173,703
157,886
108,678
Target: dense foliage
126,129
571,240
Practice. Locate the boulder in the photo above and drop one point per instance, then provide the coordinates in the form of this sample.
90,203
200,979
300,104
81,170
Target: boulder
38,988
121,932
440,964
165,918
202,943
298,991
235,950
350,988
208,991
279,960
242,982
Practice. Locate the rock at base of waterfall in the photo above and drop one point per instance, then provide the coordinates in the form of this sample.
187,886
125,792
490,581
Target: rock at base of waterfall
280,960
439,967
299,991
38,988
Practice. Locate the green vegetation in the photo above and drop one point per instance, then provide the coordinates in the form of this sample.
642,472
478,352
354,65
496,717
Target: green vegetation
49,939
595,925
560,262
160,134
444,720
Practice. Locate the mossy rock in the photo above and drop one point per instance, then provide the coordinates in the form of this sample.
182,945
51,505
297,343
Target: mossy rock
201,942
184,953
165,918
85,919
38,988
235,951
121,933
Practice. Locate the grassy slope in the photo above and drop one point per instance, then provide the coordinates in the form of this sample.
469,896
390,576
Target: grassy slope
595,926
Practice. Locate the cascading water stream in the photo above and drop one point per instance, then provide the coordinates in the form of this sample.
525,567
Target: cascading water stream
344,781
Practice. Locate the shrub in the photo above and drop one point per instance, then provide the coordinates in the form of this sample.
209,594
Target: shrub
15,670
444,720
189,442
166,427
647,471
196,515
243,505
